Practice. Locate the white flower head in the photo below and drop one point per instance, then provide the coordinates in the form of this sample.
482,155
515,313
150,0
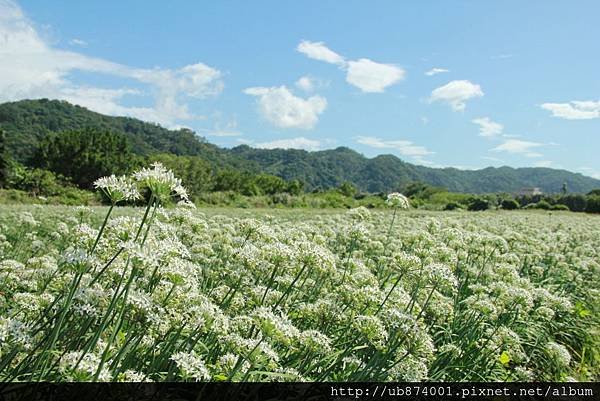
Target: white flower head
161,182
191,366
117,189
396,199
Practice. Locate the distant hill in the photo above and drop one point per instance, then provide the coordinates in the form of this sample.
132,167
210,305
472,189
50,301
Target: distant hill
26,122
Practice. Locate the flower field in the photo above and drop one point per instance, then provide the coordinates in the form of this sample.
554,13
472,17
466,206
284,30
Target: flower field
175,293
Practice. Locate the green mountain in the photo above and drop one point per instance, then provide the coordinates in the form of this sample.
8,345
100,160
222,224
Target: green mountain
26,122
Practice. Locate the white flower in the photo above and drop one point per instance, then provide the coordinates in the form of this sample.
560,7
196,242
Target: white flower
117,189
396,199
191,366
161,182
558,353
85,370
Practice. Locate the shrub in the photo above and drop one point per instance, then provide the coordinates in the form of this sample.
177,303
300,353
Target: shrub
593,204
478,204
417,203
594,192
542,205
3,160
509,204
575,202
558,206
453,206
347,189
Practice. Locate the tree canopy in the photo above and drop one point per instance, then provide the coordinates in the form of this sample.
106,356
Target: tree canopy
85,155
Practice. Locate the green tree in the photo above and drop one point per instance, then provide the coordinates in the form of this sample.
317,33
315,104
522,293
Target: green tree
478,204
421,190
575,202
347,189
509,204
195,173
270,184
295,187
85,155
594,192
228,180
3,160
593,204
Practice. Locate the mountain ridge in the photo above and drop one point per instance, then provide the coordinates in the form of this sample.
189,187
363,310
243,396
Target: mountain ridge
26,122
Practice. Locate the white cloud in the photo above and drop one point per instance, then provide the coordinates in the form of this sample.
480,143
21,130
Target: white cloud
590,172
318,51
32,68
220,129
281,108
456,93
244,141
488,127
306,83
517,146
373,77
435,71
405,148
292,143
502,56
78,42
493,159
223,133
574,110
543,163
367,75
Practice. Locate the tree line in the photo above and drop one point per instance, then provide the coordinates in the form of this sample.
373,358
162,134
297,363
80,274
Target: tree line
79,157
67,163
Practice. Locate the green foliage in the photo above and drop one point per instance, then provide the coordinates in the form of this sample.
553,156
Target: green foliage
196,174
347,189
421,190
295,187
478,204
29,122
594,192
559,207
593,204
35,181
575,202
542,205
452,206
509,204
270,184
3,160
32,185
85,155
249,184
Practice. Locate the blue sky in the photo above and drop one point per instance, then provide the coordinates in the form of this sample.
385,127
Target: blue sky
460,83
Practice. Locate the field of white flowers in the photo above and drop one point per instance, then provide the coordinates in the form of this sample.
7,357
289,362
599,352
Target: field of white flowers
167,294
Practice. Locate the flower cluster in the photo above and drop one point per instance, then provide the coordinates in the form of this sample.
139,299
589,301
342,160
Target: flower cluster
117,189
161,182
397,200
178,294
